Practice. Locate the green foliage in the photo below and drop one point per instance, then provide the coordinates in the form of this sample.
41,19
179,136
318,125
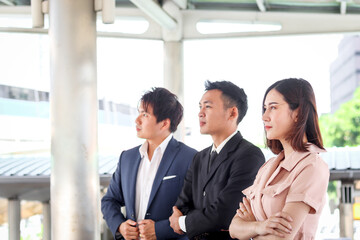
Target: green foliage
332,190
343,127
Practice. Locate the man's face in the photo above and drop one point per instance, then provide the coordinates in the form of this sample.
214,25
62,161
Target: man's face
146,125
213,117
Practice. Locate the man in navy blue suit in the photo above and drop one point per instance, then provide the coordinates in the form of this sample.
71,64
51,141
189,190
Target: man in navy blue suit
149,178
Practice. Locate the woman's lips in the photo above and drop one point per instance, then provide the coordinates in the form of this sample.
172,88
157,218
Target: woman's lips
267,127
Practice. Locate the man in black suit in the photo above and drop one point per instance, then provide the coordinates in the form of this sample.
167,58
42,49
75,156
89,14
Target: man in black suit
213,184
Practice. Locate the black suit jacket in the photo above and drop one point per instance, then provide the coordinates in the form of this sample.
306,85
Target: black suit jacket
209,200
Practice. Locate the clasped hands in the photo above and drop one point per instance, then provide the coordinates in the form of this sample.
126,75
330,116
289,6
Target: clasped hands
145,230
277,225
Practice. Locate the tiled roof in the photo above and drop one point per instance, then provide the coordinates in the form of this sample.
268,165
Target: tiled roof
32,166
28,177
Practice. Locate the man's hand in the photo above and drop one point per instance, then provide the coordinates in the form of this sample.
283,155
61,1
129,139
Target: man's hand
174,220
129,230
147,229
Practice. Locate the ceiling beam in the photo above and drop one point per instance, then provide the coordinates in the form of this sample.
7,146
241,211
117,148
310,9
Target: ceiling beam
8,2
182,4
15,10
291,23
261,5
156,12
154,32
343,5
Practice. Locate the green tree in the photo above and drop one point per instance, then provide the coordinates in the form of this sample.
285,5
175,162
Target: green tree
343,127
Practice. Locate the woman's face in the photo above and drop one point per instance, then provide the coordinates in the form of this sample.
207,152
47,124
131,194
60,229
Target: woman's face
278,118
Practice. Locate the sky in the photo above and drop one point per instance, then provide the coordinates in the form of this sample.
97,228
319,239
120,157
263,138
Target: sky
128,67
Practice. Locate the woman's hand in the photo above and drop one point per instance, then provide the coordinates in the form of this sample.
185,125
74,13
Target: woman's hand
284,224
245,211
276,225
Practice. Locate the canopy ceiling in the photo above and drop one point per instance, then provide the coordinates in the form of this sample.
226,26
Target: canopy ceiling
293,17
312,6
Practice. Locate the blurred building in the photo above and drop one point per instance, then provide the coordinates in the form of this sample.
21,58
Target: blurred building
25,123
345,72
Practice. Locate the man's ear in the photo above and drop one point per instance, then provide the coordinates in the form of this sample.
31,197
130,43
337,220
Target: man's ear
234,113
166,124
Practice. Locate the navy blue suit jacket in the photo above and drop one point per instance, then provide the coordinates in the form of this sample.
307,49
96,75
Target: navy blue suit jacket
121,192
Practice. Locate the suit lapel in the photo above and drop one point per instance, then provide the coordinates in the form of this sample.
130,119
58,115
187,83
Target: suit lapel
229,147
133,170
204,170
166,161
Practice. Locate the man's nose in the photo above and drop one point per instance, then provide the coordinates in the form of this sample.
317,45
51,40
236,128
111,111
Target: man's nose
201,113
137,120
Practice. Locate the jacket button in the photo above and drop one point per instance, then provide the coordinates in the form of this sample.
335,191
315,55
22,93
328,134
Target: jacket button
204,193
148,214
132,215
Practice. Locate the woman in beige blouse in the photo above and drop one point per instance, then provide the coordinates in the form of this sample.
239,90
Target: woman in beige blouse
288,194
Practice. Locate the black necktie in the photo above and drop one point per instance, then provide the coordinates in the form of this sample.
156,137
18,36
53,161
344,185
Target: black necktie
213,155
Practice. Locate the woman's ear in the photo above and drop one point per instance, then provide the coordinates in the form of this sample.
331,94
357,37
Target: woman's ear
295,114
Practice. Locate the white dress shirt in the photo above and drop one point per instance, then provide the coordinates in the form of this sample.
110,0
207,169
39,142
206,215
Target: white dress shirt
217,149
146,175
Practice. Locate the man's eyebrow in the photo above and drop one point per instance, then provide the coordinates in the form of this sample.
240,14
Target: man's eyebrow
206,101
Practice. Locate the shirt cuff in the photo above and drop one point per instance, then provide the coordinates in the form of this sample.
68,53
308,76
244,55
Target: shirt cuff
182,223
118,236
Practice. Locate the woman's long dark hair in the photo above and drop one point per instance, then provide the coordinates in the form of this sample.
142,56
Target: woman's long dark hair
299,94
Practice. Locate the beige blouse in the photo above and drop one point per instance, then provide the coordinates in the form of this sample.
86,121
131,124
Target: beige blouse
301,177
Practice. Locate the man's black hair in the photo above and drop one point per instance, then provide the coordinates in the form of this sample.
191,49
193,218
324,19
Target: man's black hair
232,96
165,105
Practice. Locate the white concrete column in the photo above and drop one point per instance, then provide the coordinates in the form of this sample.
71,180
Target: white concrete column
346,220
346,209
14,218
174,76
46,212
73,114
